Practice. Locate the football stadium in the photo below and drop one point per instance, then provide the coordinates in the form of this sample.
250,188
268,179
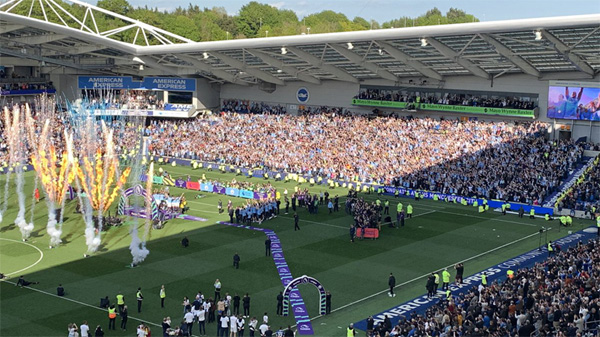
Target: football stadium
196,173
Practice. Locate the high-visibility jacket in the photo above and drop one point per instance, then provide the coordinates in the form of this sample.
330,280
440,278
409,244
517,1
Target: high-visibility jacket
409,209
550,248
162,293
484,279
112,313
120,299
437,278
446,276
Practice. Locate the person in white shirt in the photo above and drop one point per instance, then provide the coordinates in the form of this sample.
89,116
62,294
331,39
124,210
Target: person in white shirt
84,328
263,328
141,332
201,315
240,326
252,326
189,320
224,320
233,326
266,318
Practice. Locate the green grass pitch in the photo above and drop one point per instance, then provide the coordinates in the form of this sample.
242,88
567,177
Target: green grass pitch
439,235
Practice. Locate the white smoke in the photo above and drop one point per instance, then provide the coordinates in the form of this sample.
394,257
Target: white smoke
137,248
54,232
24,227
91,240
51,227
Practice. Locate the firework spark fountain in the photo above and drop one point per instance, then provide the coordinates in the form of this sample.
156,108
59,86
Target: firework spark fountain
55,174
13,132
98,178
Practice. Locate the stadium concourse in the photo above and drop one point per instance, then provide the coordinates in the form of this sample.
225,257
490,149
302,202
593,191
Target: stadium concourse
441,121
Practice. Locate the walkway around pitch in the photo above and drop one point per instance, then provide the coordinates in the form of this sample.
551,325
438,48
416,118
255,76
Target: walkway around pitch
497,272
298,307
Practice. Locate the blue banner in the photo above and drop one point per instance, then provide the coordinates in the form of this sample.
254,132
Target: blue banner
206,187
169,84
127,82
177,107
105,82
497,272
246,194
232,191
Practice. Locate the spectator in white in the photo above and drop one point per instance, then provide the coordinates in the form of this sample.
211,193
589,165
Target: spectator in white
189,320
253,326
85,329
263,328
224,321
233,326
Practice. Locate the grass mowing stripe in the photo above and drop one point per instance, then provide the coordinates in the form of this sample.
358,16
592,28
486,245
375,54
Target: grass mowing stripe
425,275
79,302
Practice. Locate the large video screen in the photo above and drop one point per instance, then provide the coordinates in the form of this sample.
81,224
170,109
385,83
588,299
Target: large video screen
574,100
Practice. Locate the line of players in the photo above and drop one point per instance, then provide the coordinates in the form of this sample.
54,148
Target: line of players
255,211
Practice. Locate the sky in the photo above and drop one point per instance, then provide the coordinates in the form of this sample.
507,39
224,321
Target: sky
385,10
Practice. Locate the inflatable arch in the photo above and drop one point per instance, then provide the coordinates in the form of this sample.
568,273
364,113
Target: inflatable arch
300,280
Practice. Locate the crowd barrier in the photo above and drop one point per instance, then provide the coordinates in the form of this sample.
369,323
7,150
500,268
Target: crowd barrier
388,190
208,187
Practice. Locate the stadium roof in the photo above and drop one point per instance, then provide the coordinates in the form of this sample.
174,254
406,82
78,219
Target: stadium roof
565,47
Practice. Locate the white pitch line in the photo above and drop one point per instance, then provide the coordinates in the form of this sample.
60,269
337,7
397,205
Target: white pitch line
314,222
78,302
31,266
421,214
491,219
425,275
330,225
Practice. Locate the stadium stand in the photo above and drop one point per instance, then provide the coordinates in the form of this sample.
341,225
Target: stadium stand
558,297
447,98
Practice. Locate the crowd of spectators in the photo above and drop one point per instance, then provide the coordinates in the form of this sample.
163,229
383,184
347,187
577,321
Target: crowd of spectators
122,99
17,86
248,107
585,196
245,107
497,160
558,297
448,99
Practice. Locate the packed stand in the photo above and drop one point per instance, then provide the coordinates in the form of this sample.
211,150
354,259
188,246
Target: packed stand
26,86
585,196
447,99
248,107
558,297
122,99
496,160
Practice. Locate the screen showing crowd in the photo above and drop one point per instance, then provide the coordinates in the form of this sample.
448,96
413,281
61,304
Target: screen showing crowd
581,103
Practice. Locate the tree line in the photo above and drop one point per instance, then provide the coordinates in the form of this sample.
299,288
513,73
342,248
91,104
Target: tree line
253,20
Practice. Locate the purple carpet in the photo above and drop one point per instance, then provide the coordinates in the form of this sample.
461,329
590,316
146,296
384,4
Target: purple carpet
296,301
